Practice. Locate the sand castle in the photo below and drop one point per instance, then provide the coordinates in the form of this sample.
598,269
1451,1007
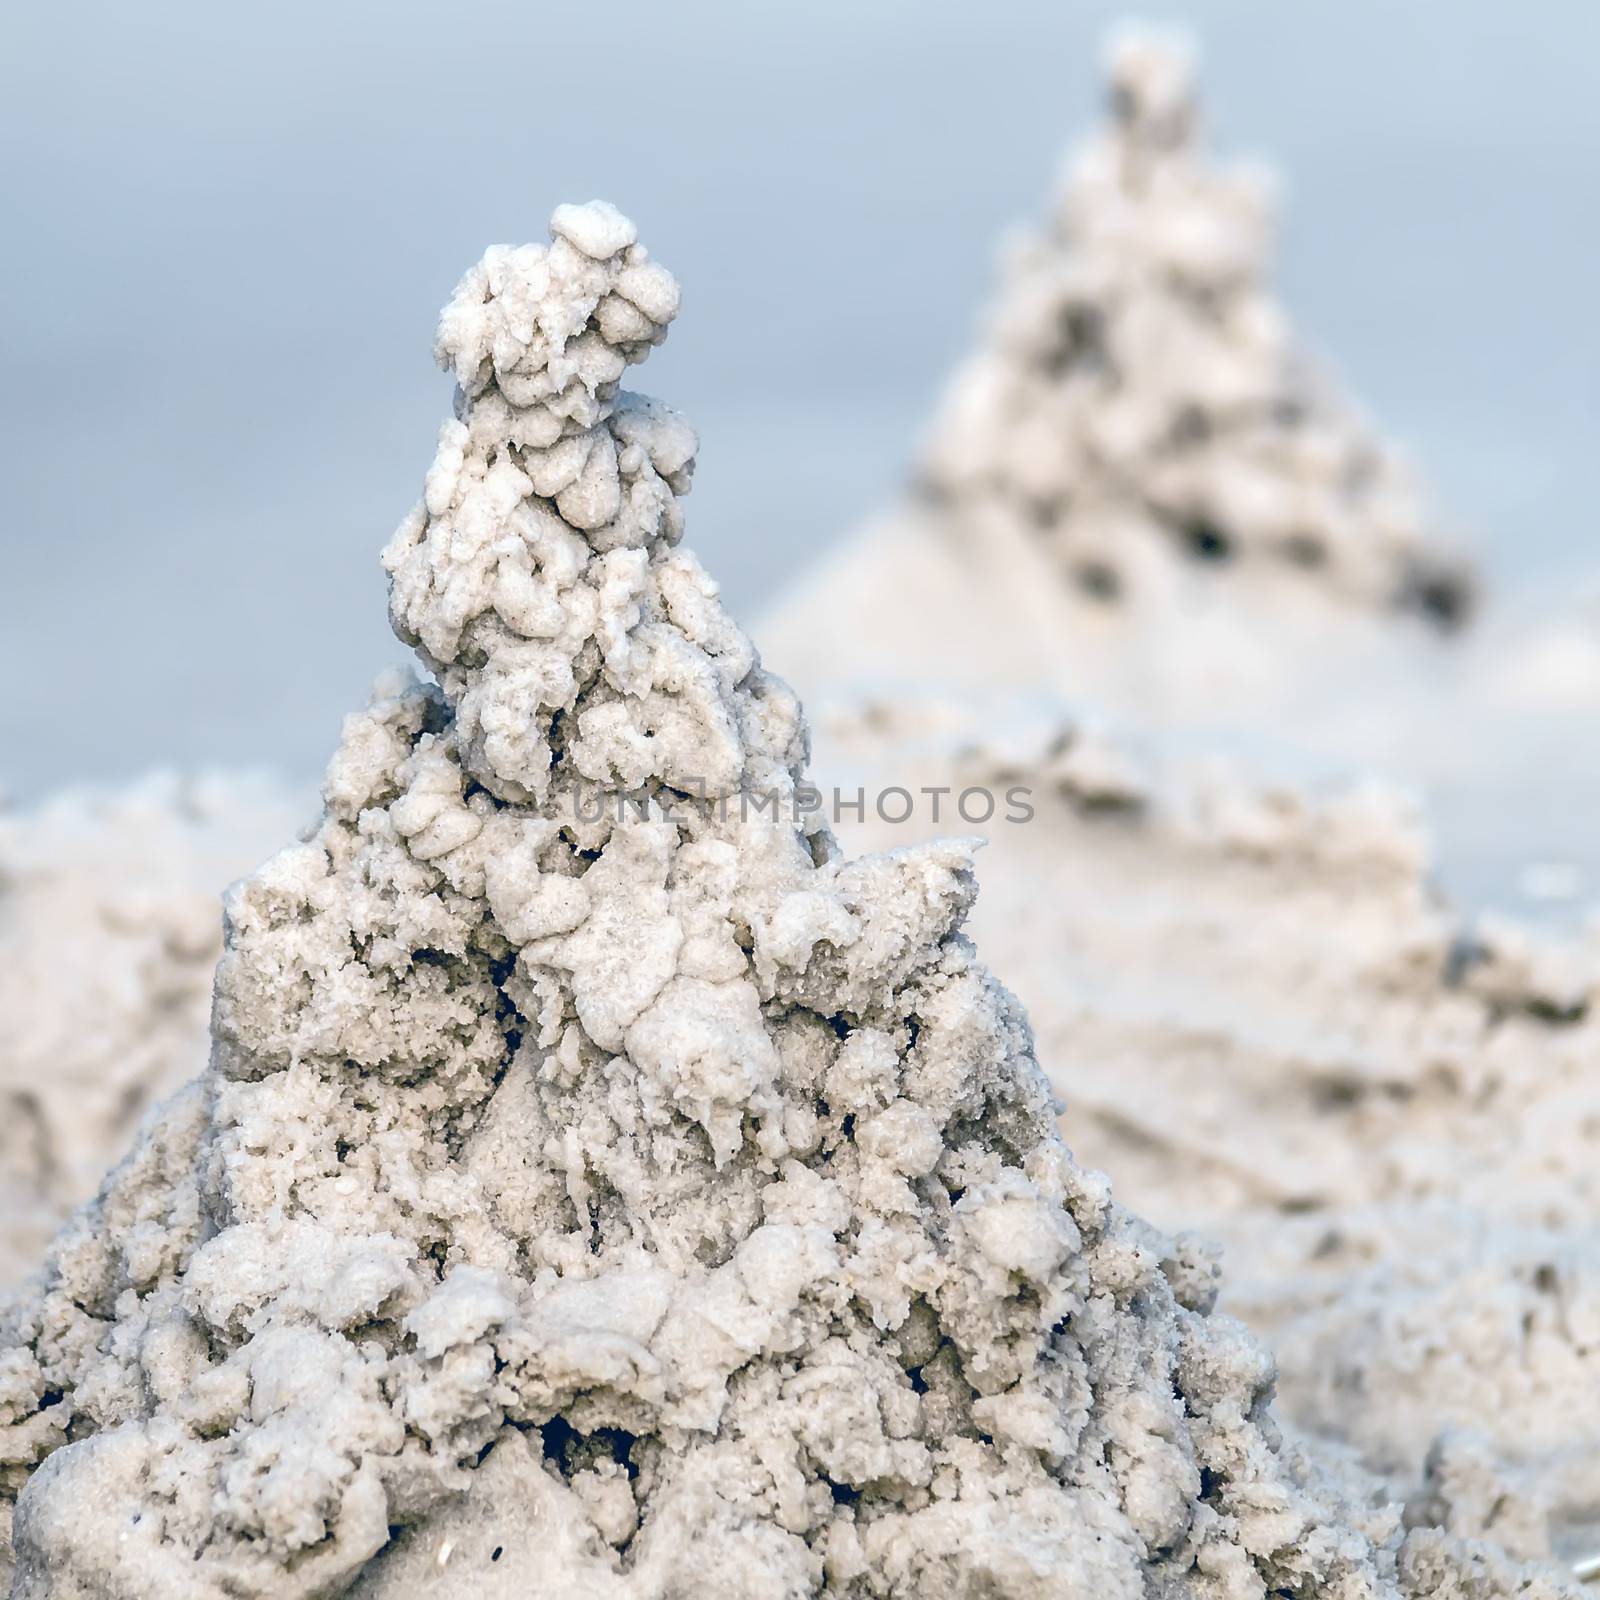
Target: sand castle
599,1184
1269,1026
1139,489
1138,393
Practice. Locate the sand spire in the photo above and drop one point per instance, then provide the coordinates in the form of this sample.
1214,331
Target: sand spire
599,1186
1139,392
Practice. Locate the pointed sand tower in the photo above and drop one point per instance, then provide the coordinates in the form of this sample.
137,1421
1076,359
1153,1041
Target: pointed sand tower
601,1187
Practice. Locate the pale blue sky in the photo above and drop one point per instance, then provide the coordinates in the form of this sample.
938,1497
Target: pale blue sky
228,231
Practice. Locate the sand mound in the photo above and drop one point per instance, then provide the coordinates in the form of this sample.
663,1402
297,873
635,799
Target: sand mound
601,1186
1138,402
1140,488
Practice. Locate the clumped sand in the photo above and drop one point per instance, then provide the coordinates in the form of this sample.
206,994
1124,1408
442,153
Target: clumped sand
1137,394
630,1201
1268,1025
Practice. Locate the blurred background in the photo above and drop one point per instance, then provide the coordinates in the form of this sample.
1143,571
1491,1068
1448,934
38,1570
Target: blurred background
230,230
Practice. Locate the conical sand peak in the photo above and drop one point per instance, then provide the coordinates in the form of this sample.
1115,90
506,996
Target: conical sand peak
599,1186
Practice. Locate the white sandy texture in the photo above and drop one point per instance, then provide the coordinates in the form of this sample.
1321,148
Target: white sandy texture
1262,1019
639,1203
110,927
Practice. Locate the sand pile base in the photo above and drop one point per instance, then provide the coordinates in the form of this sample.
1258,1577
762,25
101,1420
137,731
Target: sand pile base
1264,1021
